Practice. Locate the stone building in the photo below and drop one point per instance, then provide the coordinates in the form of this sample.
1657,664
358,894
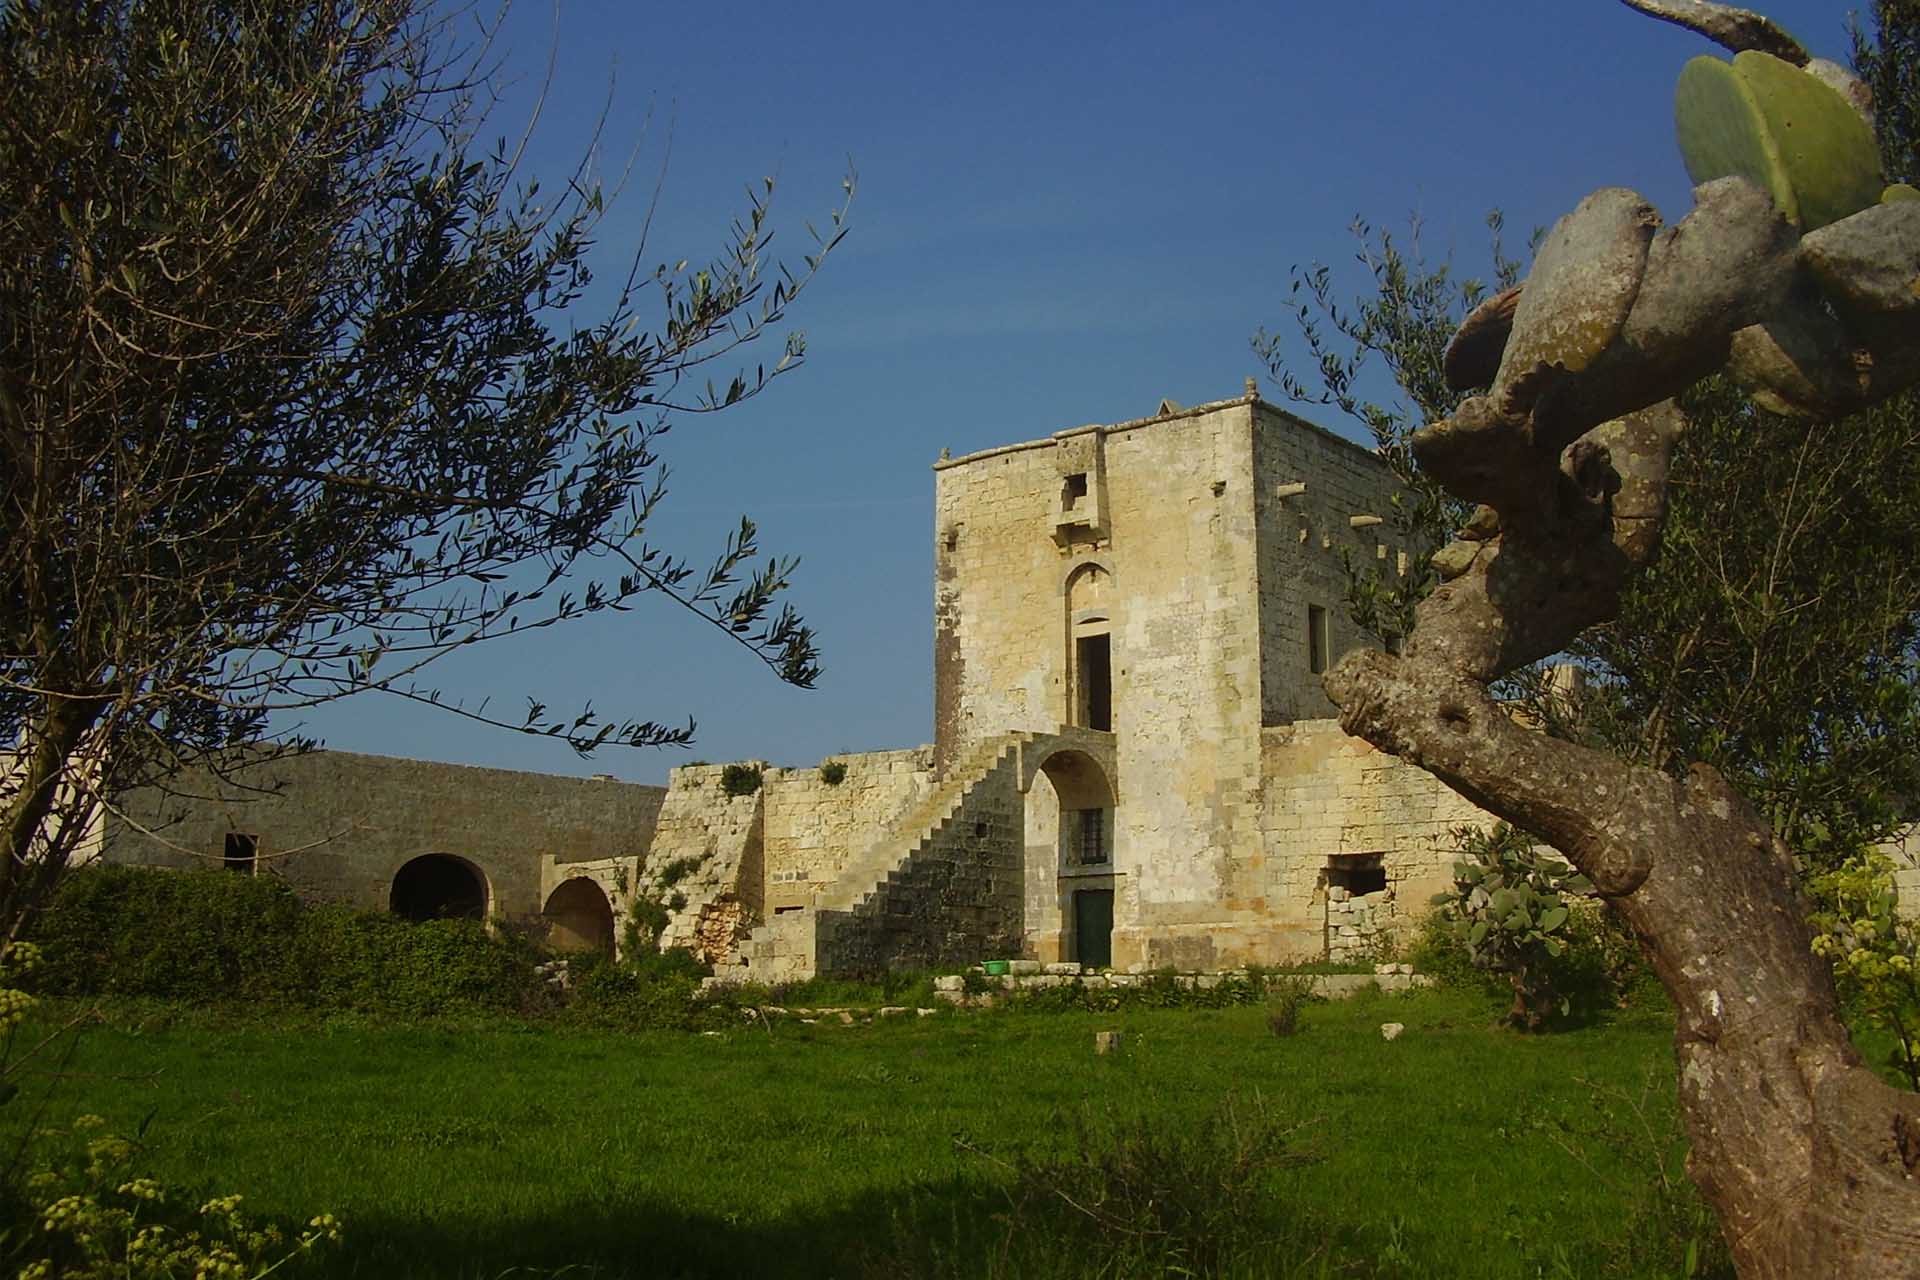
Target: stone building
1131,765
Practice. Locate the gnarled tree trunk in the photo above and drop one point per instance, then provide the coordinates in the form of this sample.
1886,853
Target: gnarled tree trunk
1811,1162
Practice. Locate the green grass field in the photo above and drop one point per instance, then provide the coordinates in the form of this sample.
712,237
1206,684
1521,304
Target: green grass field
963,1144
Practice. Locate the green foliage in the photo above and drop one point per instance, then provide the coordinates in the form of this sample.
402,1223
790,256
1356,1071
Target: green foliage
209,937
655,899
345,337
651,991
1780,128
1875,953
740,779
1404,324
359,1115
1286,997
1509,908
85,1214
1887,59
1138,1196
833,772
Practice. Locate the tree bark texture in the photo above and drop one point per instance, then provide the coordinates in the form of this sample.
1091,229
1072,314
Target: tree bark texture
1810,1161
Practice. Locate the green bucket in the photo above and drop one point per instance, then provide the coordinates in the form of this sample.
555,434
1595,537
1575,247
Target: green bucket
994,968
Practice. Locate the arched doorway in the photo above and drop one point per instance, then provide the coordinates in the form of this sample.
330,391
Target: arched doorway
439,886
579,917
1072,871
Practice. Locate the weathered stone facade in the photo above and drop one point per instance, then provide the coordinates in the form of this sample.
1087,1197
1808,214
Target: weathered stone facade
1130,765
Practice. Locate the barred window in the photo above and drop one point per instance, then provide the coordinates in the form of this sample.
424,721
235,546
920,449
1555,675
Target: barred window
1090,837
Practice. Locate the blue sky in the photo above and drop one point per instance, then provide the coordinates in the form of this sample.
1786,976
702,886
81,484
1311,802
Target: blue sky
1065,212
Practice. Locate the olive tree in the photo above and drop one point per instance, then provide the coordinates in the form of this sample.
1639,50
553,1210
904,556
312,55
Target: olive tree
296,395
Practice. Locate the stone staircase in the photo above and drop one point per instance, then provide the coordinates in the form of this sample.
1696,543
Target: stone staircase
786,948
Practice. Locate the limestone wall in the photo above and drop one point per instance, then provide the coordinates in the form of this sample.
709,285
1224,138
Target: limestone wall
1164,567
956,899
1315,496
721,836
813,827
338,825
1327,794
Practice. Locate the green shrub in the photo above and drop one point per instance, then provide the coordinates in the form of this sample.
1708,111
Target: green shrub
203,937
653,991
195,936
1509,907
833,772
740,779
1135,1196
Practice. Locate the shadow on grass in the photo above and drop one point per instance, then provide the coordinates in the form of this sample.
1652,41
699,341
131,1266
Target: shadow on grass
962,1228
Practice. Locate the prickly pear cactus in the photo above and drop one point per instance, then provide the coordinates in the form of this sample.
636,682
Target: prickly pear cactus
1768,121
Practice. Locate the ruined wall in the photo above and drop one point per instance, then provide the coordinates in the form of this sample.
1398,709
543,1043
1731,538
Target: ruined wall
340,824
1315,496
955,899
812,827
1333,800
721,836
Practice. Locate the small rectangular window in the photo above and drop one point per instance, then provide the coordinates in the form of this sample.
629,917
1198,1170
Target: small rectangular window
1316,639
242,852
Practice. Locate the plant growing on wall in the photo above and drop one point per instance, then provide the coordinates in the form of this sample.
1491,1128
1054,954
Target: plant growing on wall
655,901
833,772
740,779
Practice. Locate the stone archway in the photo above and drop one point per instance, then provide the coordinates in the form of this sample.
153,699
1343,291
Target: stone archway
579,917
439,886
1072,865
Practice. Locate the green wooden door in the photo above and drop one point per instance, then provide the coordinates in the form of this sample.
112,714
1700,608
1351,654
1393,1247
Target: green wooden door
1093,927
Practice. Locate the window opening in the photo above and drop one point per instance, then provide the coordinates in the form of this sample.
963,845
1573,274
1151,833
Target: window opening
1094,658
1072,490
1316,639
1089,838
242,852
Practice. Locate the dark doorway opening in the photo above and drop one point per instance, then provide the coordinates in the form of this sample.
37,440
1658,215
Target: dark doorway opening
1093,658
1093,927
439,886
242,853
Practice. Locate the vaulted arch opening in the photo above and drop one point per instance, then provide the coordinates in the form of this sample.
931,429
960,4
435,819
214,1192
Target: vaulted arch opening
579,917
439,886
1070,834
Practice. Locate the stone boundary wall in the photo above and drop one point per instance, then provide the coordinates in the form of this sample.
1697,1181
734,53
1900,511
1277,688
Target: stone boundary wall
722,834
956,898
338,825
1031,975
813,828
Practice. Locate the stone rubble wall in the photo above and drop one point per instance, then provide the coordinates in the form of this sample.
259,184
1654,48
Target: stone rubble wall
723,834
813,828
1031,975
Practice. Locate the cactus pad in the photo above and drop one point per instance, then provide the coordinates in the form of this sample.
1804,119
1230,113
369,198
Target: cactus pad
1781,129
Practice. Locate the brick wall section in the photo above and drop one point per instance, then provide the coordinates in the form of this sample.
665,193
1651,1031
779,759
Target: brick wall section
955,899
357,819
812,829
